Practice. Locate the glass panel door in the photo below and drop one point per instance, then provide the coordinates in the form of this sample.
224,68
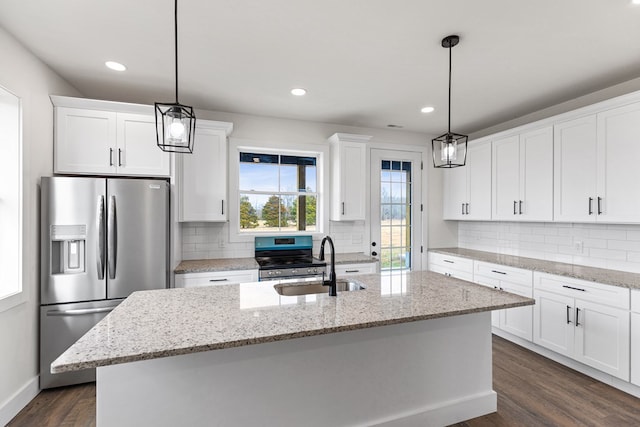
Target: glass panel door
396,234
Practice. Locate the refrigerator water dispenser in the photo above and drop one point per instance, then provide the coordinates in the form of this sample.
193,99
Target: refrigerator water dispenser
68,249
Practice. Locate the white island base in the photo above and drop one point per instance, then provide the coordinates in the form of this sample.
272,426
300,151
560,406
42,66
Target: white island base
427,373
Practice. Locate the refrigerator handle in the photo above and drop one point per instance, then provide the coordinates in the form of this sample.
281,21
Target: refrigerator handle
112,240
80,312
100,240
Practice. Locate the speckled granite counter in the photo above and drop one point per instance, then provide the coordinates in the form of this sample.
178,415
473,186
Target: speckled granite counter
599,275
169,322
226,264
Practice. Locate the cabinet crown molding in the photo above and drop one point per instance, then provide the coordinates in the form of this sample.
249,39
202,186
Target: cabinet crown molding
350,137
96,104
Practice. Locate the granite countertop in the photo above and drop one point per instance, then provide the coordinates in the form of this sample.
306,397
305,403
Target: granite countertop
226,264
592,274
170,322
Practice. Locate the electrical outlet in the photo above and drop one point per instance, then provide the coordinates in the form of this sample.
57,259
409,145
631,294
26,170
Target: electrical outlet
578,246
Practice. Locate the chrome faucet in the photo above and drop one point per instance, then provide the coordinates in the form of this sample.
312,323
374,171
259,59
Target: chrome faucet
332,276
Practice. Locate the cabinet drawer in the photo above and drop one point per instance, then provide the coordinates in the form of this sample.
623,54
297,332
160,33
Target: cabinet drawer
463,275
587,291
230,277
635,301
503,273
451,262
356,269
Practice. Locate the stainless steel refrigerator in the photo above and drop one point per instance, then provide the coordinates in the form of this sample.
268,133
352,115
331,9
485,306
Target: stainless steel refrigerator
101,240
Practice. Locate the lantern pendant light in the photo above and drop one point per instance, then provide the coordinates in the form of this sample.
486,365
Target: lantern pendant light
450,149
175,123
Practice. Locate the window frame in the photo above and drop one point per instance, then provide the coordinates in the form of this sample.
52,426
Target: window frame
319,151
17,295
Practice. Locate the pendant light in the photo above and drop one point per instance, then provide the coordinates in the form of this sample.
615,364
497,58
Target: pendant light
175,123
450,149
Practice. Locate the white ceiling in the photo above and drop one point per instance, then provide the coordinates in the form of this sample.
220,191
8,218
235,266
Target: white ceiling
364,62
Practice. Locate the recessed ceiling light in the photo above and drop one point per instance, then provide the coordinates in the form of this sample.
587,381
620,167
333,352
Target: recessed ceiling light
427,109
298,91
116,66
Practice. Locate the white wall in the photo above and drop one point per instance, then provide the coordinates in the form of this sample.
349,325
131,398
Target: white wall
27,77
211,240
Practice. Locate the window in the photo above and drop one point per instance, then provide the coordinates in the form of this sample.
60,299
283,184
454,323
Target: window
277,192
10,201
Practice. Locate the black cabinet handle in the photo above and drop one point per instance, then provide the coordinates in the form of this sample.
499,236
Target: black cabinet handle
499,272
575,289
599,205
515,207
568,310
462,208
449,261
352,271
467,208
218,280
110,156
590,205
577,316
520,207
223,207
342,208
119,157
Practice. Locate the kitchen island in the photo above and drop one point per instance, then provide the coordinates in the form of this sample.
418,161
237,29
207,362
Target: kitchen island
408,349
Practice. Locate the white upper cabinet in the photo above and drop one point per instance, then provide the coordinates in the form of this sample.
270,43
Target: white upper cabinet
106,138
523,176
595,165
349,174
201,177
467,189
618,170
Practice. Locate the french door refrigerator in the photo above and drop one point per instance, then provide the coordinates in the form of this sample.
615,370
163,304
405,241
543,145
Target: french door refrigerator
101,240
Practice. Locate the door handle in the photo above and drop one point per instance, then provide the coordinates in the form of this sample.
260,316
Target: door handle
100,240
462,205
119,157
590,205
577,316
515,207
599,205
223,207
110,156
568,310
342,208
467,208
520,207
80,312
112,239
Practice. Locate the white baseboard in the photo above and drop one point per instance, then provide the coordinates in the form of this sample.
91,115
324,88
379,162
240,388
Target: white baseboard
625,386
448,413
14,404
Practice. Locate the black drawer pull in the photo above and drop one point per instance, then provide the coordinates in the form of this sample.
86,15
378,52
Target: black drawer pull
568,310
218,280
577,316
575,289
352,271
499,272
450,262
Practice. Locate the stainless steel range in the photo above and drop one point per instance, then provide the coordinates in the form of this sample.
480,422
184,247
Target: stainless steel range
287,257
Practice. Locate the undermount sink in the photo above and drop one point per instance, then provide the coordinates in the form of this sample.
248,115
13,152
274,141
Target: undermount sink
306,288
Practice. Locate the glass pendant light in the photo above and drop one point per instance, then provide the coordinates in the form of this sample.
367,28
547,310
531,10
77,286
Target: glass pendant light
175,123
450,149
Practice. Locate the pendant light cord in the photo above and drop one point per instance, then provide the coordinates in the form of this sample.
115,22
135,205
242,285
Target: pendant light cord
175,27
449,128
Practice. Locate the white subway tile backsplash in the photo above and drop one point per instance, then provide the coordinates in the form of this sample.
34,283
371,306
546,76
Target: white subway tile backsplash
615,246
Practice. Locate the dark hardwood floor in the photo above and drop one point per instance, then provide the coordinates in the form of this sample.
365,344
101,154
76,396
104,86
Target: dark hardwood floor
532,391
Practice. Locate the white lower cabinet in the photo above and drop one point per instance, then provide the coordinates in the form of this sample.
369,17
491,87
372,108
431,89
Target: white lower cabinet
516,321
635,337
452,266
356,269
586,321
229,277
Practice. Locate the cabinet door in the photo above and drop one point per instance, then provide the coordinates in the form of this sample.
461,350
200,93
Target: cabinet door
85,141
202,178
536,175
618,154
574,170
479,182
553,322
352,181
506,178
495,284
138,152
602,338
517,321
454,192
635,348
